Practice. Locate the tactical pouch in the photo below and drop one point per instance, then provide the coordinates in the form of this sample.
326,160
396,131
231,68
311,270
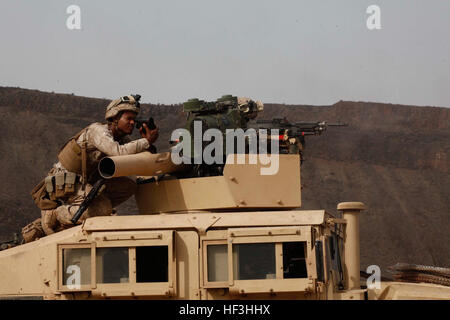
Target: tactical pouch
70,182
41,197
59,185
49,187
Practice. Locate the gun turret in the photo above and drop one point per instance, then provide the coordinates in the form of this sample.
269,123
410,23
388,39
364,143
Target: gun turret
226,113
292,135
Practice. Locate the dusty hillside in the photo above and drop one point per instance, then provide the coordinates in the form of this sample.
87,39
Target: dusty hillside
394,158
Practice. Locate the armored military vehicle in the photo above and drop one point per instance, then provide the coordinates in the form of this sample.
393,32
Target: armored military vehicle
231,233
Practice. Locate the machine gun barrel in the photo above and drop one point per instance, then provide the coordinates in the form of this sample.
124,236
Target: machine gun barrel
297,128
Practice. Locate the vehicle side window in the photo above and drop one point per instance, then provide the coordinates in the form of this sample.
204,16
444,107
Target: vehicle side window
76,266
217,257
259,260
152,264
112,265
120,264
254,261
294,260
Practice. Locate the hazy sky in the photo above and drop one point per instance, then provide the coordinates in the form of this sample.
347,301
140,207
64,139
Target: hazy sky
300,51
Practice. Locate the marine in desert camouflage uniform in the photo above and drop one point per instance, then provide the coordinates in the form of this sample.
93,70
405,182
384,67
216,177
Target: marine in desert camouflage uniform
99,140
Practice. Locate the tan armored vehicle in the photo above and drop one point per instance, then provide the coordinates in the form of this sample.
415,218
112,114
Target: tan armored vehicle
234,234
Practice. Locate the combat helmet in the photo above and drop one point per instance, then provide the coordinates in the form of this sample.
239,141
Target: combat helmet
125,103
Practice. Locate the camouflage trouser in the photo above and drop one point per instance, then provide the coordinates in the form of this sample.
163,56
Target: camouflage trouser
117,191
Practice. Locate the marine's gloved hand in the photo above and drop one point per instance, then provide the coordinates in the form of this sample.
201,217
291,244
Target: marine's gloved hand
150,135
